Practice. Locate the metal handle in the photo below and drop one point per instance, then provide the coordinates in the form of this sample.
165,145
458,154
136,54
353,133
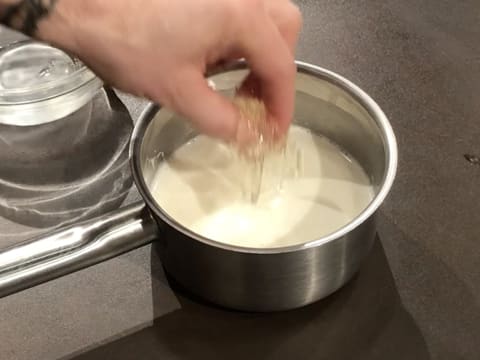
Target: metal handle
76,247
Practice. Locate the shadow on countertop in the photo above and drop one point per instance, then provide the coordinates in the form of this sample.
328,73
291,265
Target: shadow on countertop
364,320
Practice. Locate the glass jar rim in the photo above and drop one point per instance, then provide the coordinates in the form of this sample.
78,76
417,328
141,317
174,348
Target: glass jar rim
40,91
40,83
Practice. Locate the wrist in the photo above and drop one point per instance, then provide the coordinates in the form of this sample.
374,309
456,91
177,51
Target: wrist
58,28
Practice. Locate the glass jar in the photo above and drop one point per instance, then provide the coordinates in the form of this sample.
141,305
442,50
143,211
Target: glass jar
63,138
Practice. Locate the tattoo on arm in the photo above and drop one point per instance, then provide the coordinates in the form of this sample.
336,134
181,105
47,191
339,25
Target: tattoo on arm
24,15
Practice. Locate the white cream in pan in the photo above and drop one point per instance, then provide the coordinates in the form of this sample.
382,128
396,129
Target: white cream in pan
311,192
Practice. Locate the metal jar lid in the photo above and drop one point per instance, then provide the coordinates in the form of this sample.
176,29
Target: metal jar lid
41,84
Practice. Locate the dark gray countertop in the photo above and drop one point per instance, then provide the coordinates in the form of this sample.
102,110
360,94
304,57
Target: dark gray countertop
418,294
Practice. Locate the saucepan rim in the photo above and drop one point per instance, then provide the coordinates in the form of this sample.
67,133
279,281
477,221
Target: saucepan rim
353,90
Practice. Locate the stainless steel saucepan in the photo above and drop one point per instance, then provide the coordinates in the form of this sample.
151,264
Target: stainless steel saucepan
249,279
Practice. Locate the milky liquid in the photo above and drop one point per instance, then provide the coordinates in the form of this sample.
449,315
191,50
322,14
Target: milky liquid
311,191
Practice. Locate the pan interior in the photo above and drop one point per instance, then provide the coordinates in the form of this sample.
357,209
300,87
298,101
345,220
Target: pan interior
322,107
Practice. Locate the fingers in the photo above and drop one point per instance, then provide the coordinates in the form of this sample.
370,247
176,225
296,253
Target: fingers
288,19
208,111
272,63
268,42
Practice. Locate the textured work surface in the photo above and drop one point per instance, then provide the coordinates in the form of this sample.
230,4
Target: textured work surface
418,295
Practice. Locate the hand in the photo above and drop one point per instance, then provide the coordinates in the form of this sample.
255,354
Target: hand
161,49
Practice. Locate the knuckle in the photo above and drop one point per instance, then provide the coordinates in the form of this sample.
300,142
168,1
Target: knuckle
286,68
173,95
246,10
295,16
163,93
253,4
290,17
290,67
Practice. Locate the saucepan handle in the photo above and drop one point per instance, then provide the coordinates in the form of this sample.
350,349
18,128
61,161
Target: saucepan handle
76,247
